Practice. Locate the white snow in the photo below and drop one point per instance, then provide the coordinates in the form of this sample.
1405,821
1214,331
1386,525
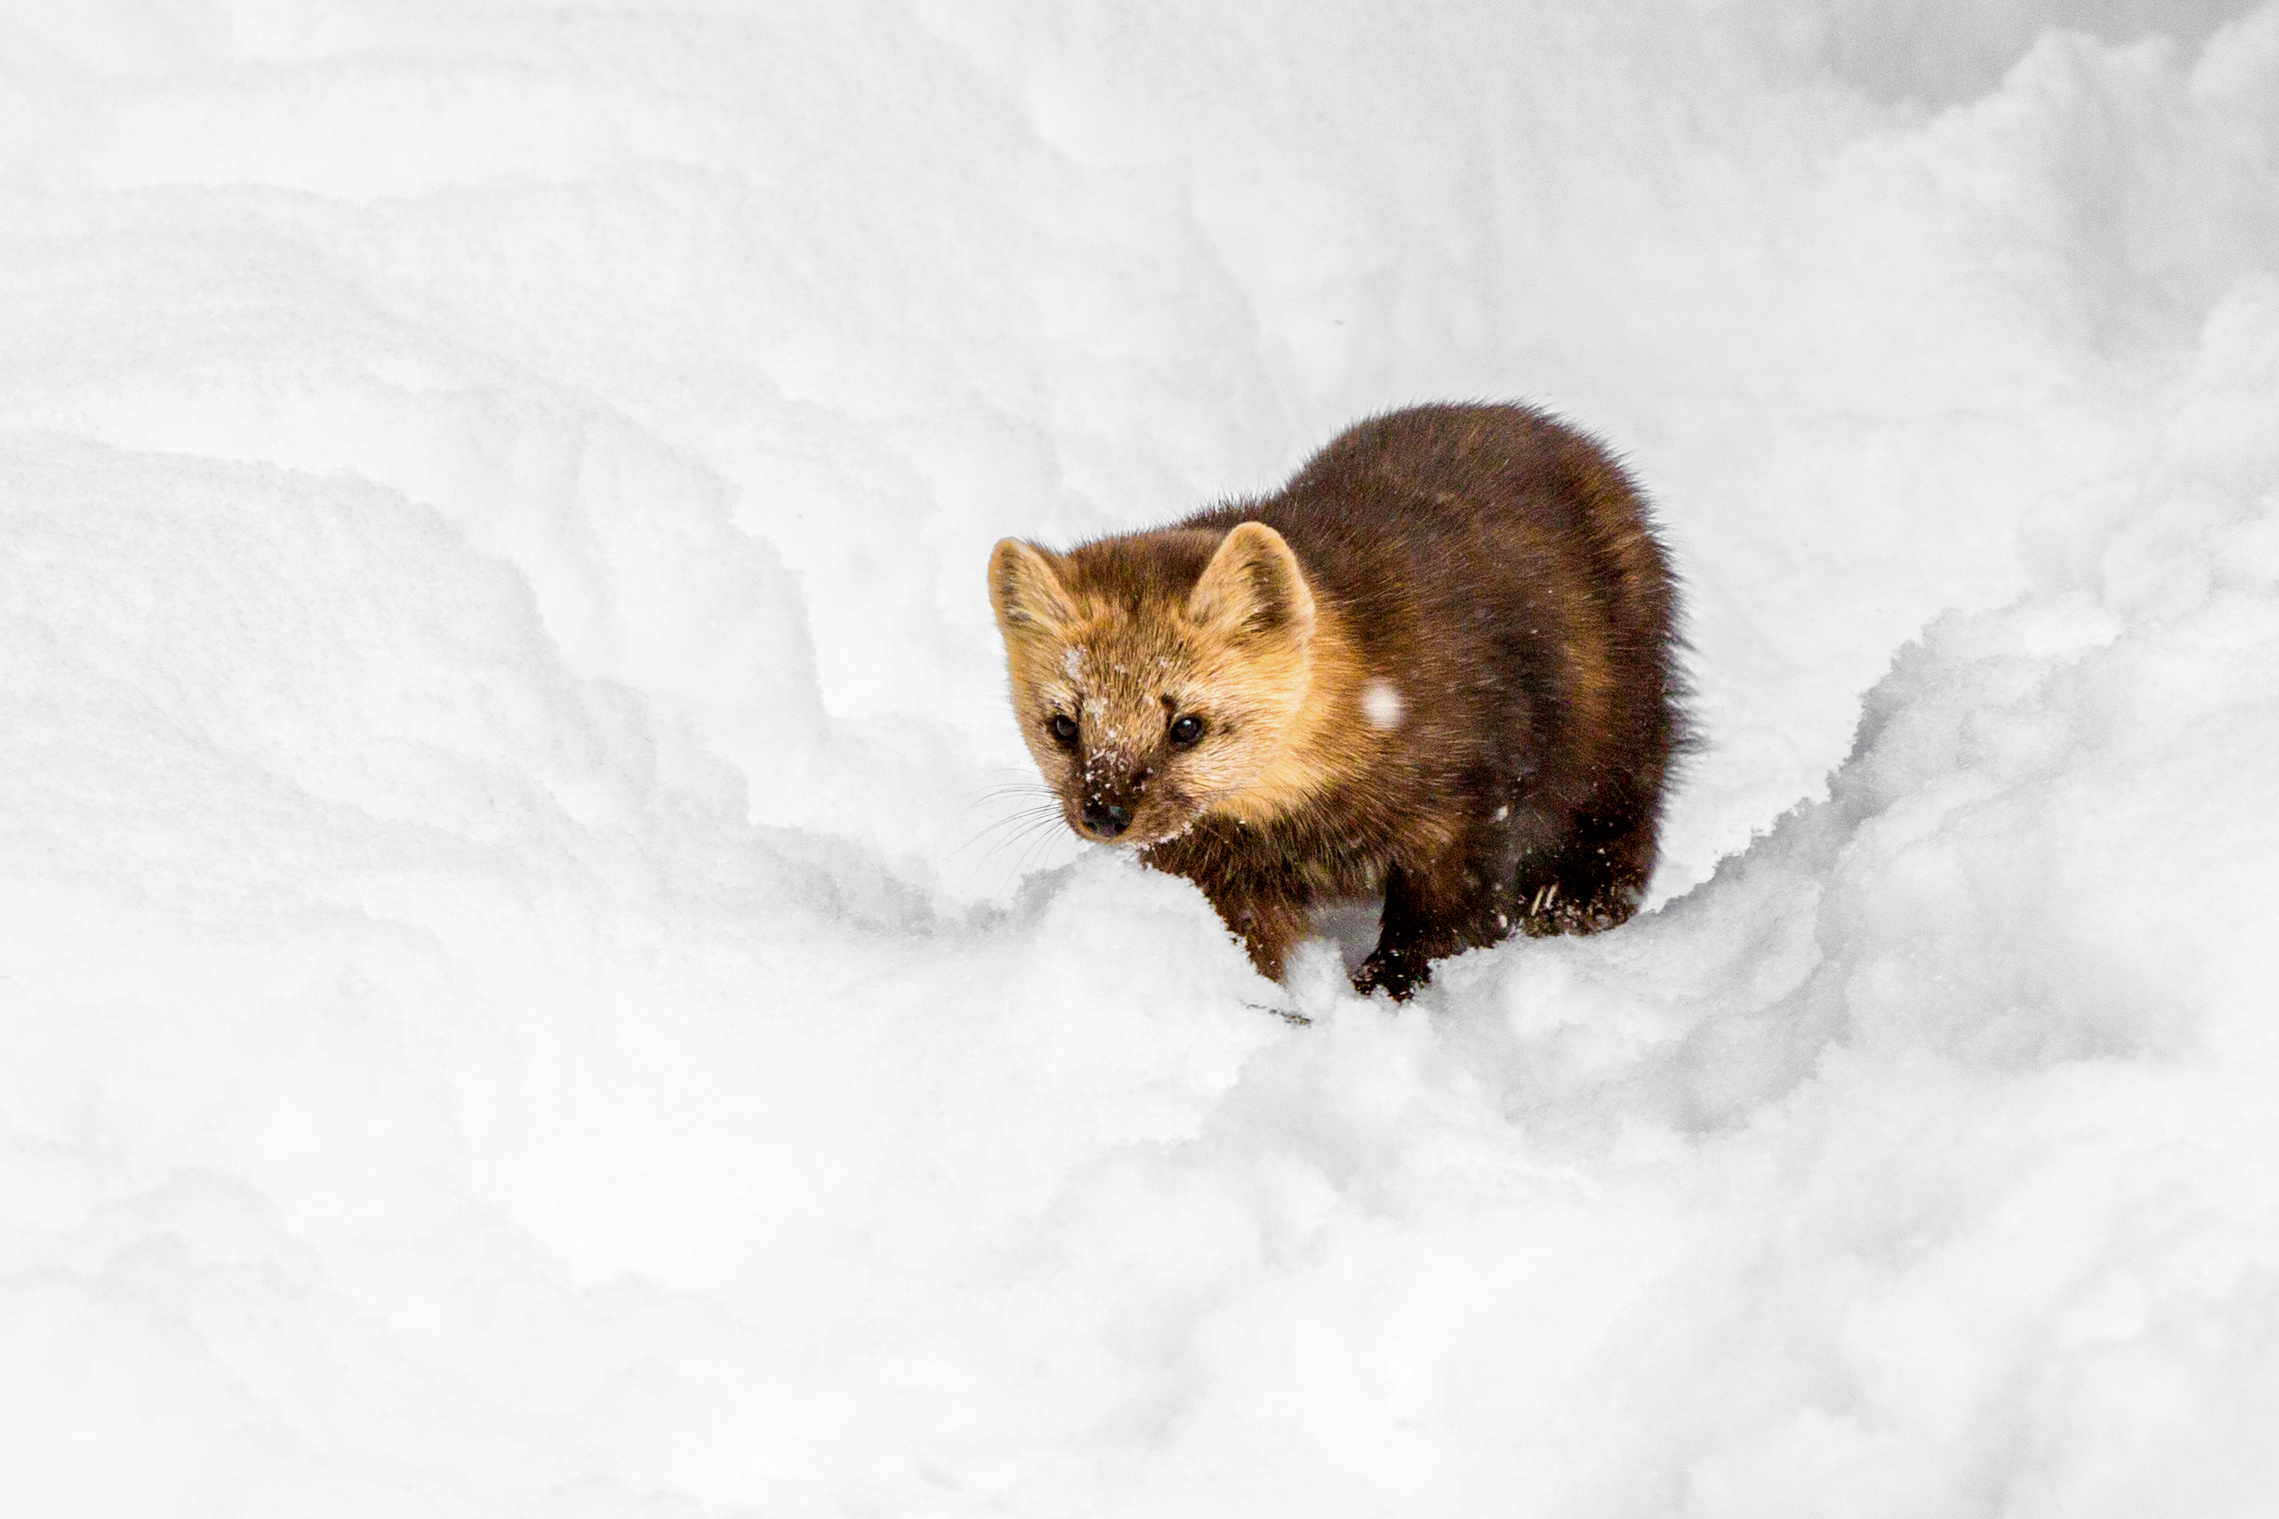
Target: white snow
1381,703
521,985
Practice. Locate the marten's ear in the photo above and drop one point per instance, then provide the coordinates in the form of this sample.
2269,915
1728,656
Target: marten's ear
1025,588
1253,587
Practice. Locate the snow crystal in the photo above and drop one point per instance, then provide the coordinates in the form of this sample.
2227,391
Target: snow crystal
1381,703
540,976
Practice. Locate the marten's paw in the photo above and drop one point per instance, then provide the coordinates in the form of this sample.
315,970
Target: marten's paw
1396,972
1549,910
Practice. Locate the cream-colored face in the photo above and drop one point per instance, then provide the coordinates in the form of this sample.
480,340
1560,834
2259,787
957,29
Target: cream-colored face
1144,722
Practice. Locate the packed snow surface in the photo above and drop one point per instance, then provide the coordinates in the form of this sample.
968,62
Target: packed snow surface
522,992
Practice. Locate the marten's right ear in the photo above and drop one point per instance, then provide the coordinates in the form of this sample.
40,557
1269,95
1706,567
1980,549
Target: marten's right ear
1025,588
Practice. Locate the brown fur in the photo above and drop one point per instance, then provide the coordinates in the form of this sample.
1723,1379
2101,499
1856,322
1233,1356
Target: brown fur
1439,663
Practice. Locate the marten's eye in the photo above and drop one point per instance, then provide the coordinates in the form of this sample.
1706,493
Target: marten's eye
1063,730
1186,730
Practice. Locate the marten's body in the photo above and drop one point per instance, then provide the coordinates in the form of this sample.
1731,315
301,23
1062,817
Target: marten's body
1439,663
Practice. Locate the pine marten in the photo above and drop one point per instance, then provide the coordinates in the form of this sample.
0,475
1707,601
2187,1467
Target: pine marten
1439,663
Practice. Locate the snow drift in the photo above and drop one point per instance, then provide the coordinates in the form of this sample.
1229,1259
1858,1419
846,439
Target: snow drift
516,999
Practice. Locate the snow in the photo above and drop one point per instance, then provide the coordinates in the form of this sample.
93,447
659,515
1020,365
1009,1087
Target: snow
534,981
1381,703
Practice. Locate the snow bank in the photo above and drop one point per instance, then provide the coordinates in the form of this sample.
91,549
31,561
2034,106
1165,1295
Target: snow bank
521,995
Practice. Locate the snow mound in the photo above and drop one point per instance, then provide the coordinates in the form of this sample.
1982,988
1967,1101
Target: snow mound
529,987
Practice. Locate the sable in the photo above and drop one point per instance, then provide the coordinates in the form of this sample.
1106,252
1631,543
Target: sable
1439,663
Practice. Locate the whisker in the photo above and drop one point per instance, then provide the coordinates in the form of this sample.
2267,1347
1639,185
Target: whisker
1030,830
1038,844
1026,817
1034,809
1025,836
997,796
1013,788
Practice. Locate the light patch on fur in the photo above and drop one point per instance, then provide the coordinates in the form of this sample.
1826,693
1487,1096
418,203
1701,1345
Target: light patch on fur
1381,703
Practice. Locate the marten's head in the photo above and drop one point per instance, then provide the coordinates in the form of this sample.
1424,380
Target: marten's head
1161,676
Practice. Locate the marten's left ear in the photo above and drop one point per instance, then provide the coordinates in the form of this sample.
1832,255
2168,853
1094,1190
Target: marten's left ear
1253,587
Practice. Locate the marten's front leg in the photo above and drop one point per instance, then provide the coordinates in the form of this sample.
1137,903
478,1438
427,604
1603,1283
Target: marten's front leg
1270,924
1267,909
1429,913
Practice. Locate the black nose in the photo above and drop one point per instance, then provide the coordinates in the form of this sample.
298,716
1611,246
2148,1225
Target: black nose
1107,821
